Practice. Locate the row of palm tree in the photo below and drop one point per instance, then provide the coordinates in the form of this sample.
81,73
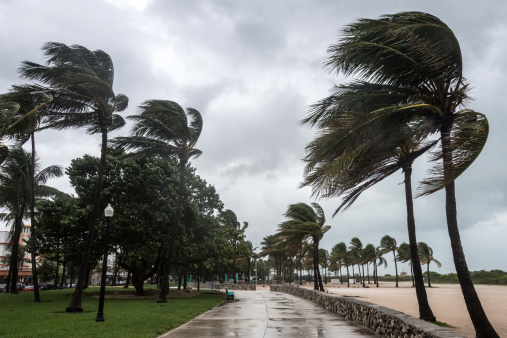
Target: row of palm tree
408,96
355,254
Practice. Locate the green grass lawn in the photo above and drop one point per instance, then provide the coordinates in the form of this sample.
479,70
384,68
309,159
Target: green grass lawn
21,317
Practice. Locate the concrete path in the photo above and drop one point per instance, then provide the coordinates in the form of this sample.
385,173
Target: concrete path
269,314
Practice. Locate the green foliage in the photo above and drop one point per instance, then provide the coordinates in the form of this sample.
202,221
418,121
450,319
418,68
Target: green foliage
46,271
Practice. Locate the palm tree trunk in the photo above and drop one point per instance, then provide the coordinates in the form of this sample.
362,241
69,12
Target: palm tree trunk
32,221
395,267
364,285
75,303
425,311
18,225
428,272
483,327
316,261
348,276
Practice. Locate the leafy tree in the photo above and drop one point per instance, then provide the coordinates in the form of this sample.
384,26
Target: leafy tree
306,223
410,72
62,225
83,80
165,129
426,254
46,270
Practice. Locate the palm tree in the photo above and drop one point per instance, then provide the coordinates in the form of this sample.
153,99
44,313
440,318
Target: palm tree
356,249
426,254
405,256
410,71
81,82
165,129
369,257
306,223
340,253
15,194
388,244
33,101
379,260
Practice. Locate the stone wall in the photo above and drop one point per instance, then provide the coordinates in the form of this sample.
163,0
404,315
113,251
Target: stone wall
230,286
384,321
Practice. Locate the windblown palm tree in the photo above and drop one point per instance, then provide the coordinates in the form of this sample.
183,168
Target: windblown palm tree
15,194
388,244
340,252
410,71
356,249
165,129
426,254
33,101
369,257
306,223
405,256
81,82
379,260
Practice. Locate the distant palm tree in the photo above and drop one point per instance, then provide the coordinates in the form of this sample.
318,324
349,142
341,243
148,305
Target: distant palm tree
426,254
165,129
405,256
340,252
356,249
81,82
379,260
306,223
369,257
15,193
388,244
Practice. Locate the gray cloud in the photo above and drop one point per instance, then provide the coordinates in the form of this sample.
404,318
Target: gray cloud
252,68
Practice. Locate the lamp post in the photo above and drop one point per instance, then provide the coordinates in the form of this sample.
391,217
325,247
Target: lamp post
108,213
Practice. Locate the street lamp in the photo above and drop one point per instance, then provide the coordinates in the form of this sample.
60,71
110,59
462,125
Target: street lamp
108,213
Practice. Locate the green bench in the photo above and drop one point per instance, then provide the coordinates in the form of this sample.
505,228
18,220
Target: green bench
229,295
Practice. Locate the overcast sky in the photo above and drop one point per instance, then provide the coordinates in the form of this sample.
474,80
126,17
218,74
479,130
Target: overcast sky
252,68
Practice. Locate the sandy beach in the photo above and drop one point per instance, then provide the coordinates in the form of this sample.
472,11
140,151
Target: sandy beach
446,302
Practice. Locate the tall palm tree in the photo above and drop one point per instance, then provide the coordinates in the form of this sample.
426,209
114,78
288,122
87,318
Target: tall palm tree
165,129
410,71
81,82
426,254
15,194
306,223
345,169
33,101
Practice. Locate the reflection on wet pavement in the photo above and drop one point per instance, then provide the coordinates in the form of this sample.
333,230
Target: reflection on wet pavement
269,314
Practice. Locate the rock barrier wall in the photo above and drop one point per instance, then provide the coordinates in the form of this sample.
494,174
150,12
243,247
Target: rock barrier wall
384,321
230,286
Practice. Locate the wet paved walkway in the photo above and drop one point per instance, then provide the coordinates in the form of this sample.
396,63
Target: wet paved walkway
269,314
